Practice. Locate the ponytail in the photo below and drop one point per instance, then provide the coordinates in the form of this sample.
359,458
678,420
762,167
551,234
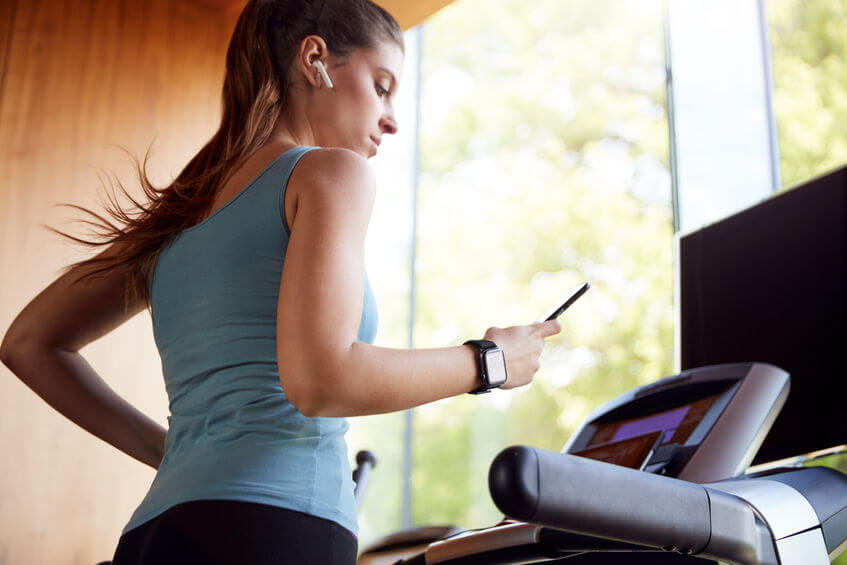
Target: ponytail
256,91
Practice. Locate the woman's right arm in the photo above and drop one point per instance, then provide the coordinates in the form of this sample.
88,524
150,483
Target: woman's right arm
323,369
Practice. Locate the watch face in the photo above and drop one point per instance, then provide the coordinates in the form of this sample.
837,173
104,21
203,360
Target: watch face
496,364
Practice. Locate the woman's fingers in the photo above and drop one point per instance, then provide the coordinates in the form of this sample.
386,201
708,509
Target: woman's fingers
548,328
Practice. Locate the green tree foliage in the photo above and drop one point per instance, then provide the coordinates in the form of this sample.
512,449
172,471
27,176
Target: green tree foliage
544,163
809,46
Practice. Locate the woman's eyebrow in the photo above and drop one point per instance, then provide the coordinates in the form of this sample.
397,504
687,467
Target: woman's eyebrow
393,78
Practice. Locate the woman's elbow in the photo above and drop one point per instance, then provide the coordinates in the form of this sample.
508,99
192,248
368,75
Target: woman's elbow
6,354
21,342
302,394
314,385
9,349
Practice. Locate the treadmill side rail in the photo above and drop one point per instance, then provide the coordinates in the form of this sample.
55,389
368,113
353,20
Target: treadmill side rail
803,549
793,521
607,501
786,511
471,543
738,535
600,499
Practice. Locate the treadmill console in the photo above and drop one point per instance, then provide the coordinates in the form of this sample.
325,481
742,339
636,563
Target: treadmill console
603,498
702,425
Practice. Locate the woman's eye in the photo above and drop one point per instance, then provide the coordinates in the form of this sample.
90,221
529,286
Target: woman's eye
380,90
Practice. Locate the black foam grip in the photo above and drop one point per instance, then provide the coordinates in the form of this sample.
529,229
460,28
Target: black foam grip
366,457
600,499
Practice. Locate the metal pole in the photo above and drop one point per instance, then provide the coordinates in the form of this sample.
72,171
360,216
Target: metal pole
407,447
767,62
672,156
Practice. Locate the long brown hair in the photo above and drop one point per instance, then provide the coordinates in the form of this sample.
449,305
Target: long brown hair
256,90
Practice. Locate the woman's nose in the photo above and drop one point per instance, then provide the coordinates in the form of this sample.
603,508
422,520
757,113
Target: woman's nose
388,124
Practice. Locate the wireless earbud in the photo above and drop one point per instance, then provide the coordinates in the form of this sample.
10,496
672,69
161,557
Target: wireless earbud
322,71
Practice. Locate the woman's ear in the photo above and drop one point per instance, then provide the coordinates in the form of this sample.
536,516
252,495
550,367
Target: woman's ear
312,49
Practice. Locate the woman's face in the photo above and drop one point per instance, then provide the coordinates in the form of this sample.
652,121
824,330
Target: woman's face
359,109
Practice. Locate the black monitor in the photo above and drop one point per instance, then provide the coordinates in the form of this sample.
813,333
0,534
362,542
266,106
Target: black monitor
769,284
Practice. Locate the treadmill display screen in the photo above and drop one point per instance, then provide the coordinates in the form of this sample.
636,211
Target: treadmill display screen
667,421
631,452
676,423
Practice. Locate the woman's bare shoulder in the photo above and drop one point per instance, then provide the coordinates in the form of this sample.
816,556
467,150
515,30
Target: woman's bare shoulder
334,166
329,177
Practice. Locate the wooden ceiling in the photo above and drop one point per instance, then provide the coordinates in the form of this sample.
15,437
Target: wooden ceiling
408,13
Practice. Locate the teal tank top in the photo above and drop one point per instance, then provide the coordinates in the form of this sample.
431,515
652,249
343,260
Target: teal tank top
233,434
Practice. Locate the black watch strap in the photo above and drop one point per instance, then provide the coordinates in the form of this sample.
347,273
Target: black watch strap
483,346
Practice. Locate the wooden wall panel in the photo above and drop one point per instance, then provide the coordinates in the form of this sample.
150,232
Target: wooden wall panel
80,77
7,14
408,13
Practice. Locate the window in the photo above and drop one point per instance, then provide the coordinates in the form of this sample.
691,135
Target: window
543,163
724,142
809,47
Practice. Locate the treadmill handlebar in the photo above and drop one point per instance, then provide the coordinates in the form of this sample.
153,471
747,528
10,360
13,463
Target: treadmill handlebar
600,499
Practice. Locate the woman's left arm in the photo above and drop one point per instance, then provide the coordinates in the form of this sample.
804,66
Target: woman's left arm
42,348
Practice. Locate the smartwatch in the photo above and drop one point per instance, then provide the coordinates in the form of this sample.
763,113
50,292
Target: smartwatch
492,364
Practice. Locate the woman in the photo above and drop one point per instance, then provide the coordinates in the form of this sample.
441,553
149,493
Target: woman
262,363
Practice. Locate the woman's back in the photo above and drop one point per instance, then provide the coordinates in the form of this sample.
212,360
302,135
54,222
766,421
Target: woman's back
261,364
233,434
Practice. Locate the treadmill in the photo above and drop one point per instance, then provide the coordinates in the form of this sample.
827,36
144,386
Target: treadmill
662,473
658,475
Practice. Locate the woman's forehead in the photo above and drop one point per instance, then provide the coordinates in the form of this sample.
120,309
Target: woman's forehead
386,55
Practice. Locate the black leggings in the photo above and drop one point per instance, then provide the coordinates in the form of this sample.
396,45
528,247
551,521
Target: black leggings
224,532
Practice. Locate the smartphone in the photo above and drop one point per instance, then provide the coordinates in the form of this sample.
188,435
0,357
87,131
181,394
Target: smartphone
556,311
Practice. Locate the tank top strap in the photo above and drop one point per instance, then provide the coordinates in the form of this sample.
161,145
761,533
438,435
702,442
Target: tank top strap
286,167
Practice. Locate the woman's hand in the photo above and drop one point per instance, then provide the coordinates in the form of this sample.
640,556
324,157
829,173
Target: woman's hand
42,345
522,346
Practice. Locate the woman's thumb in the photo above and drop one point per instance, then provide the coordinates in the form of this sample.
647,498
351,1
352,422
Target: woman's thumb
549,327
